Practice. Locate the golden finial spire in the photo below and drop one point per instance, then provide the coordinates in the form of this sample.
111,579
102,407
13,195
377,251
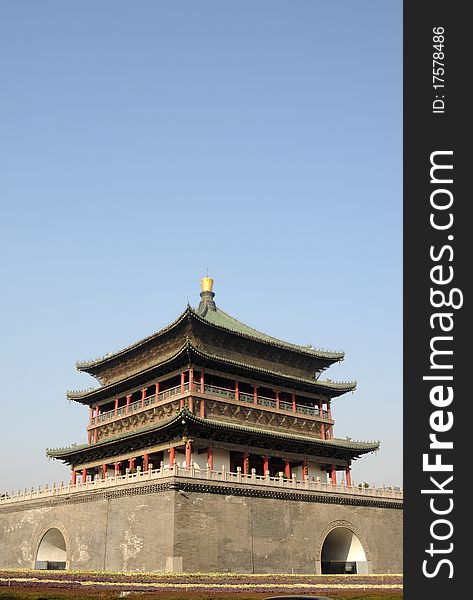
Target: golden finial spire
207,296
207,284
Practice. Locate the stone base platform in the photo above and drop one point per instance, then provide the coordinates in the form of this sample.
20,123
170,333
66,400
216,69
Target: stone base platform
182,520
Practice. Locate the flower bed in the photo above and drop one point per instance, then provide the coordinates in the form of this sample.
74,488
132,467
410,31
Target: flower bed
200,585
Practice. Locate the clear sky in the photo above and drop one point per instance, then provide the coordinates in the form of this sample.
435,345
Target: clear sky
144,142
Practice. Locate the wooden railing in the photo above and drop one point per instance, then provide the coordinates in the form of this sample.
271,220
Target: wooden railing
139,404
210,390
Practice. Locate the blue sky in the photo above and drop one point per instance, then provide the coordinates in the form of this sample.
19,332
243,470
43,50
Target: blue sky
142,143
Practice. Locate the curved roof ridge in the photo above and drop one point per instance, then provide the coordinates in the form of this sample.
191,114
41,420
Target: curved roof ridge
87,364
184,414
352,444
117,438
346,385
221,319
343,386
75,446
71,393
75,394
225,322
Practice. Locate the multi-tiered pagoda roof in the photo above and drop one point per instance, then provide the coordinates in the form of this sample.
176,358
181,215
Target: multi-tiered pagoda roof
210,378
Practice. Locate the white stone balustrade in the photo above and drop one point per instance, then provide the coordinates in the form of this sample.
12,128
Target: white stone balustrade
247,480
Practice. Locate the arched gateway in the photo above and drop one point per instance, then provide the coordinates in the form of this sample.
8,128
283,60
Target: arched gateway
51,551
343,552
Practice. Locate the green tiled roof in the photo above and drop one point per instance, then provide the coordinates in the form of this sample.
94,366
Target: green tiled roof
337,387
83,365
218,318
57,452
222,319
185,415
333,443
65,450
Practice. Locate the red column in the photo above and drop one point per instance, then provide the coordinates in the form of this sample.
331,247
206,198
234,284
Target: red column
128,398
202,408
255,394
265,465
304,471
131,463
210,458
188,454
104,471
143,396
293,402
84,475
172,456
277,399
202,382
157,391
333,475
287,469
191,379
95,436
348,475
116,406
117,468
97,412
91,415
145,462
237,391
191,404
74,477
321,411
329,410
245,463
182,382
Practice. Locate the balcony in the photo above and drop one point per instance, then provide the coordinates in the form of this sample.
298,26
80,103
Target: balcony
211,391
140,404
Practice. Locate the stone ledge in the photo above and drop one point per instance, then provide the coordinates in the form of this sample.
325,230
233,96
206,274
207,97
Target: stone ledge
193,484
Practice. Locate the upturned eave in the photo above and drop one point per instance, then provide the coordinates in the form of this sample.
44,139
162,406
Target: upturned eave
229,325
189,351
88,366
186,423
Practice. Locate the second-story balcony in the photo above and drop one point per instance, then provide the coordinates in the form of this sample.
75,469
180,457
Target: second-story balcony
212,391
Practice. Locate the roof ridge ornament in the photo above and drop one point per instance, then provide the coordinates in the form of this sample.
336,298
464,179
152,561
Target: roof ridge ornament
207,296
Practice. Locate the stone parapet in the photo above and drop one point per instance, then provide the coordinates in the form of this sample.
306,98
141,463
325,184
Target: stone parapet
242,484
